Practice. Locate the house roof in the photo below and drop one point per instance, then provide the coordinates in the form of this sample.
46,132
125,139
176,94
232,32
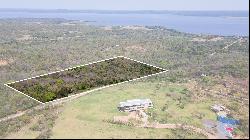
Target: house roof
217,107
135,102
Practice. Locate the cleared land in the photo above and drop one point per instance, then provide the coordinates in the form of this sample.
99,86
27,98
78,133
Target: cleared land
71,81
90,115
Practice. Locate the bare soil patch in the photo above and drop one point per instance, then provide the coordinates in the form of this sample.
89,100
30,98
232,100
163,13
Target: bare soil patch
136,48
24,38
3,62
125,119
135,28
212,39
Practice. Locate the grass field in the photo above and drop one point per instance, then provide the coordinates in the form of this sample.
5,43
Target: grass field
84,118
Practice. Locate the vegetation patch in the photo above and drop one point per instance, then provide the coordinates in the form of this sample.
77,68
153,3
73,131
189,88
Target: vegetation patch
79,79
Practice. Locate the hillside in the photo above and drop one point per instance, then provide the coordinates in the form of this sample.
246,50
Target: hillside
207,67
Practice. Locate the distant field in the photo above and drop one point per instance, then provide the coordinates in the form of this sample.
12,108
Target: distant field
71,81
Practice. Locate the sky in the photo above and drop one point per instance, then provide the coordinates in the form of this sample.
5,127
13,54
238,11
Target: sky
128,4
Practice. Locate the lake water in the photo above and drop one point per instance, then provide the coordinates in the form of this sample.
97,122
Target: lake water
192,24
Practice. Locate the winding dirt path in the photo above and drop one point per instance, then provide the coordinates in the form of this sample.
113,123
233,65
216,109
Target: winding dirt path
178,126
21,113
41,106
146,124
228,45
13,116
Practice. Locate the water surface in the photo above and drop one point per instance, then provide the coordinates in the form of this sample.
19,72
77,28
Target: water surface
215,25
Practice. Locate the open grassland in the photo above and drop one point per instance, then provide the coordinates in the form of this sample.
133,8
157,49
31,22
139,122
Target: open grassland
89,116
86,117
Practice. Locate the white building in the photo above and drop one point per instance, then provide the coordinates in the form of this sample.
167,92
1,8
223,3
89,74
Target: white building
217,108
135,104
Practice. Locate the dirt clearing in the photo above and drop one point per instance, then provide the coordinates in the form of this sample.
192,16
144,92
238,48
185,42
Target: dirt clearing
3,62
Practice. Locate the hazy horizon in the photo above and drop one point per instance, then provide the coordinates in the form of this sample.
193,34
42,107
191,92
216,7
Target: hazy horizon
129,5
119,10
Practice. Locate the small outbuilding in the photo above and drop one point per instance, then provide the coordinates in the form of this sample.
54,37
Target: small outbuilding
217,108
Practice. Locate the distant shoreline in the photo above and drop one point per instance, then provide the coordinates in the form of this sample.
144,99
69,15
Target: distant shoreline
235,17
64,21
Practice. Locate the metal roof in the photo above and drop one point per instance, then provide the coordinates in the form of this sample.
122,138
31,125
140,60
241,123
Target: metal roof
135,102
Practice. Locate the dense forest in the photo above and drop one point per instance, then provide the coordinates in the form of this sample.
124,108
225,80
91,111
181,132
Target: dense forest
59,85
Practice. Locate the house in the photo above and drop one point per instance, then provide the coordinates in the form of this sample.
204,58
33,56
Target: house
217,108
225,125
220,110
135,104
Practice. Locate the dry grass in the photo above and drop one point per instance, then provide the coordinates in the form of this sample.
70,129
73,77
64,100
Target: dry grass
85,117
25,132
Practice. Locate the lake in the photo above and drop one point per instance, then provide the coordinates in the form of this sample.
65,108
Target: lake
213,25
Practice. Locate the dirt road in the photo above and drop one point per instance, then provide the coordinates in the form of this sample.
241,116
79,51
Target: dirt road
42,106
178,126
